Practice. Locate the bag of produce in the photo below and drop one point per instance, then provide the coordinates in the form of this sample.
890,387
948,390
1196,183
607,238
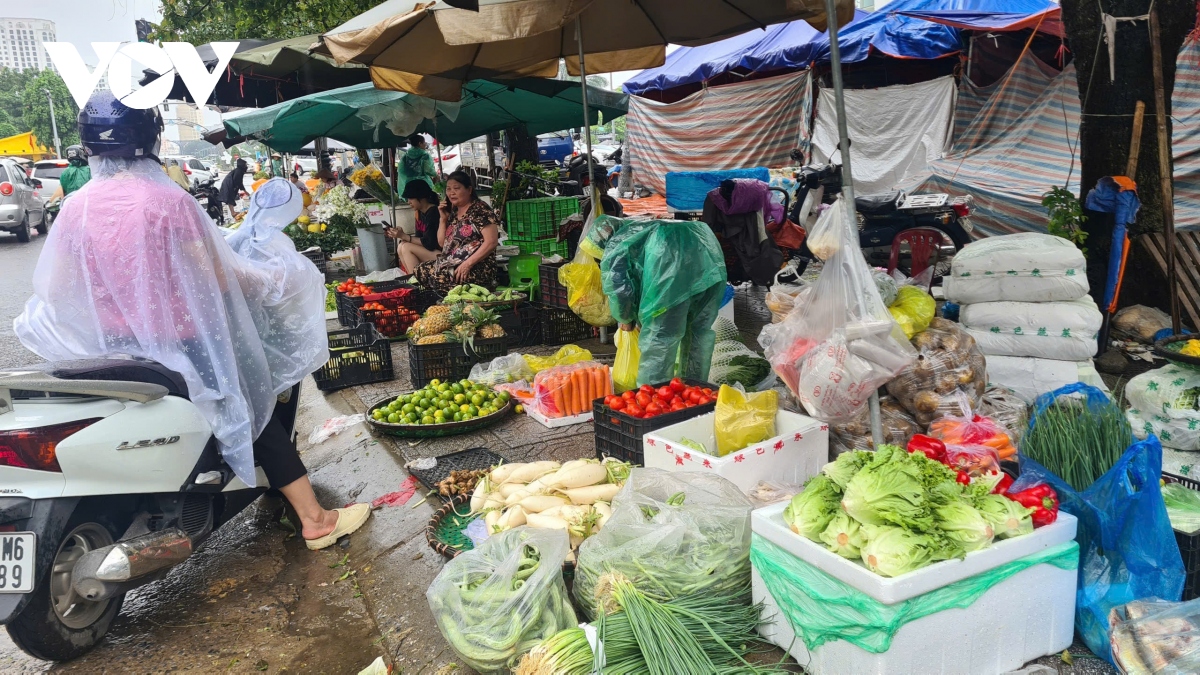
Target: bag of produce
495,602
735,363
843,344
1127,549
970,429
1026,267
566,355
948,362
671,534
781,298
501,370
585,291
1064,331
565,391
625,365
1166,403
1140,322
898,427
744,419
912,310
1009,410
1153,635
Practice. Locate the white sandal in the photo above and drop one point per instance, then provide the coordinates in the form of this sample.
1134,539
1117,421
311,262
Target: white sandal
349,520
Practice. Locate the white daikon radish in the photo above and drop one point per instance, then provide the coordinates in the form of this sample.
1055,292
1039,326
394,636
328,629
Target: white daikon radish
576,540
545,522
576,463
552,511
605,511
539,503
502,472
513,517
491,519
574,513
479,496
593,493
579,476
516,496
531,472
508,488
493,501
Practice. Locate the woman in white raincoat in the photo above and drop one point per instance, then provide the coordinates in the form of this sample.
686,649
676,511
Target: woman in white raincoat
134,267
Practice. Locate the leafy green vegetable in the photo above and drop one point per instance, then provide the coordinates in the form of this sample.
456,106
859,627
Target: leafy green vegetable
842,469
694,445
964,525
1183,507
844,536
892,551
809,512
1008,518
748,370
890,490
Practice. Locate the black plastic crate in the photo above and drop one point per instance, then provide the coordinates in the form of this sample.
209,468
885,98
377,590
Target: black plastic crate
619,435
347,306
450,361
522,324
318,258
358,355
1189,544
562,326
470,459
553,293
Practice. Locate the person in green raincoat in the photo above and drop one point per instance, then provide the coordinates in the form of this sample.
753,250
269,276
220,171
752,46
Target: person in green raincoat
667,276
76,174
416,163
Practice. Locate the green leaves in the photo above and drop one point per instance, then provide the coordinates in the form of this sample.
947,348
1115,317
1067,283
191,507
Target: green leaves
809,512
1066,216
200,21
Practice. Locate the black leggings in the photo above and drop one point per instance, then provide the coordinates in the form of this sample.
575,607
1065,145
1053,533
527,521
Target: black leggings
275,452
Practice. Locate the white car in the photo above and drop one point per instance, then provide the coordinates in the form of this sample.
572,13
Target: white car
194,169
48,171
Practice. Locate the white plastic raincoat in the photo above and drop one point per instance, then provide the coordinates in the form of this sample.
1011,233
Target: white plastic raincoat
134,267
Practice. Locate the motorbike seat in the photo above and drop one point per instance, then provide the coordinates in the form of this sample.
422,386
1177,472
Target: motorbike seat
125,370
880,204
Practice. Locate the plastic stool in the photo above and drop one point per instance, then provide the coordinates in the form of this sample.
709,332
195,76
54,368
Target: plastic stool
523,273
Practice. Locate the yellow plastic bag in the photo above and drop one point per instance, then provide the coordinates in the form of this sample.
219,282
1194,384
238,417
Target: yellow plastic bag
744,419
585,291
625,367
563,357
913,310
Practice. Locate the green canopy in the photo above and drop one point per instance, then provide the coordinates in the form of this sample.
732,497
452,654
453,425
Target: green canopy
366,117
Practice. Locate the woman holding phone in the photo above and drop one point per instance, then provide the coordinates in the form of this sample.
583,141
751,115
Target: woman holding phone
427,243
469,231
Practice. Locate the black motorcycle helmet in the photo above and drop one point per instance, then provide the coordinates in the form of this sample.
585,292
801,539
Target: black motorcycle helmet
76,155
109,128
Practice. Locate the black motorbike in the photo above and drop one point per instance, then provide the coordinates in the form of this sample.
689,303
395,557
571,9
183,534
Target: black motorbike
883,216
207,193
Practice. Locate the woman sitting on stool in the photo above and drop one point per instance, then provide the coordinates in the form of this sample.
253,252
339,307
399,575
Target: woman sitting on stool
427,243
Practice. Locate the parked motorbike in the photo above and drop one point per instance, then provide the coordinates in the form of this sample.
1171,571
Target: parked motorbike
109,477
207,193
882,216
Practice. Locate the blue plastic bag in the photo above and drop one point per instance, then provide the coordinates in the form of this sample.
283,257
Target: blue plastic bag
1127,550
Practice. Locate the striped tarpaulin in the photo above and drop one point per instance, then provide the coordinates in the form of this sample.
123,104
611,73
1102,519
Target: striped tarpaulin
1185,135
1013,142
756,123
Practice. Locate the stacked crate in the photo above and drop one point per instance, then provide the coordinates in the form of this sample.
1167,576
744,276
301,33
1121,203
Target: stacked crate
532,224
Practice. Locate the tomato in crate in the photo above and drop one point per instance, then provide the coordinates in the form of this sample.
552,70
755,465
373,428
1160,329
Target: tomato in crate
391,318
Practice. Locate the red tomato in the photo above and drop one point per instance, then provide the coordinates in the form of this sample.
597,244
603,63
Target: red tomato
707,391
617,404
676,407
677,399
629,395
646,388
664,392
689,404
653,409
694,396
643,399
677,385
634,410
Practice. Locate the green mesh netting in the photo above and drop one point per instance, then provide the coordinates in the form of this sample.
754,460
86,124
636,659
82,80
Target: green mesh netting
822,609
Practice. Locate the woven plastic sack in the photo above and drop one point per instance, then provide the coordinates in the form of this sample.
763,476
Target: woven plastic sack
743,419
948,362
822,609
566,355
912,310
1025,267
1127,549
1063,331
701,545
1165,402
585,292
497,601
842,344
625,365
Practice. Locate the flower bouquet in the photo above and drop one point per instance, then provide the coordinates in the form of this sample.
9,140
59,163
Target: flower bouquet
371,179
337,219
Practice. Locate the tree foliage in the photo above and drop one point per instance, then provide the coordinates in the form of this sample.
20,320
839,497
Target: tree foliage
200,21
36,109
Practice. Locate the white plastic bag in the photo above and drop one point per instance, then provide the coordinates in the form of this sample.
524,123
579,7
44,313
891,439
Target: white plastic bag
501,370
842,344
333,426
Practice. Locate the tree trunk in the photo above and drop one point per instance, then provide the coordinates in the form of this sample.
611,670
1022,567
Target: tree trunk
524,146
1108,105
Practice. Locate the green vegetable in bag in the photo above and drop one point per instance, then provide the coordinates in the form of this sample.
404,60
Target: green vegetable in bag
1183,507
809,513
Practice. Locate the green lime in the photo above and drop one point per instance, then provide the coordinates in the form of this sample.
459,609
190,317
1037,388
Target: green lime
411,418
434,383
377,413
466,416
427,420
446,396
393,418
477,400
503,396
466,383
464,407
407,408
489,396
457,388
520,409
473,410
457,417
459,398
439,416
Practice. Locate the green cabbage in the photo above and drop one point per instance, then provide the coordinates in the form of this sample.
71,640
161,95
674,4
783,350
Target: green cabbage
1008,518
892,551
844,536
809,512
964,525
842,469
890,490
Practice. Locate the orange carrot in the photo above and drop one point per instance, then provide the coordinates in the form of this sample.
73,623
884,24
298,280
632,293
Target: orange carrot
560,403
597,383
608,388
580,389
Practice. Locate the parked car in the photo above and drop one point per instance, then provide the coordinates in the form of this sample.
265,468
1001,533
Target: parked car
452,158
193,168
48,171
21,205
555,148
307,165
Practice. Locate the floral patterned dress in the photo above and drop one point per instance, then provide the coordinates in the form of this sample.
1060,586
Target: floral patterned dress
464,237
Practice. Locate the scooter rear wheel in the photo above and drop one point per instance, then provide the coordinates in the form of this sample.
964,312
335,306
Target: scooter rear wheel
57,624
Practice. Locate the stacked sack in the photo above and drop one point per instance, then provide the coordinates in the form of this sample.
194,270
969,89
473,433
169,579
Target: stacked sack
1025,301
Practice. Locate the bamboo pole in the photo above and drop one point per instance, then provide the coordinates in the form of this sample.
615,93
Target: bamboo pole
1164,168
1135,141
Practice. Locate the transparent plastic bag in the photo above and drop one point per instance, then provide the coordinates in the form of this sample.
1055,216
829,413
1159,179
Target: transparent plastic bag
968,429
671,534
501,370
975,460
843,344
826,240
1007,408
781,298
948,361
585,291
334,426
565,391
913,309
887,285
497,601
743,419
1155,636
625,366
898,427
567,354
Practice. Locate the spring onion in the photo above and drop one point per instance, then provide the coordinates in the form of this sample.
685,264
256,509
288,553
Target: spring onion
1078,443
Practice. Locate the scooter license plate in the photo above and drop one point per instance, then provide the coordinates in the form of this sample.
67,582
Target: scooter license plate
967,225
18,551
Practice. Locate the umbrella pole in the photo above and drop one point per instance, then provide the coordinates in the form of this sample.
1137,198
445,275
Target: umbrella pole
835,57
587,127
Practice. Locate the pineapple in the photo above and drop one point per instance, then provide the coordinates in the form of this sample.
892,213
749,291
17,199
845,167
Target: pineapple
491,330
437,320
438,339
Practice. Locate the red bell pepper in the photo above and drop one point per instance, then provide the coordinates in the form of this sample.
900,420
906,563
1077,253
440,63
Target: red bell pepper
933,448
1001,488
1043,499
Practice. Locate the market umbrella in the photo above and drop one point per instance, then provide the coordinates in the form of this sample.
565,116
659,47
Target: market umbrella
366,117
265,72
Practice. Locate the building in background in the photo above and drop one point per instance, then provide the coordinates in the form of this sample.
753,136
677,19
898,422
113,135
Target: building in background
21,43
190,121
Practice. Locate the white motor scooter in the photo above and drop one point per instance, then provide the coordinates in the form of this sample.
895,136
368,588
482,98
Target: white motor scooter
109,476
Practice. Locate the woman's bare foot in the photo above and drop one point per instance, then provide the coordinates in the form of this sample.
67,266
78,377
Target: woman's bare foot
321,526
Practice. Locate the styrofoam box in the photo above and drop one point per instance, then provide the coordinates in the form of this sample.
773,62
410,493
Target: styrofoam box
1028,615
796,453
555,422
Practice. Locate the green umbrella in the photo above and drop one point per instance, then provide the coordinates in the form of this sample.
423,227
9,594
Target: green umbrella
366,117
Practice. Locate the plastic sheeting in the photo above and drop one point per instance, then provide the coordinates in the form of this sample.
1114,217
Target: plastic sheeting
897,131
133,266
735,126
1185,136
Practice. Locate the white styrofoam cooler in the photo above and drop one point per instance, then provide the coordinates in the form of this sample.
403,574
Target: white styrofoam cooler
556,422
1028,615
796,453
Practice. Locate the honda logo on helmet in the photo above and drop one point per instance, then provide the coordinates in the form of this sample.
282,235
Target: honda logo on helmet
106,135
116,59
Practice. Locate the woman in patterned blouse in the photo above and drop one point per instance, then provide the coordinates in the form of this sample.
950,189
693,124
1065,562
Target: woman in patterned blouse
471,231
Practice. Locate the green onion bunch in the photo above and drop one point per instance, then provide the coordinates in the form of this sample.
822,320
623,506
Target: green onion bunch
1078,442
